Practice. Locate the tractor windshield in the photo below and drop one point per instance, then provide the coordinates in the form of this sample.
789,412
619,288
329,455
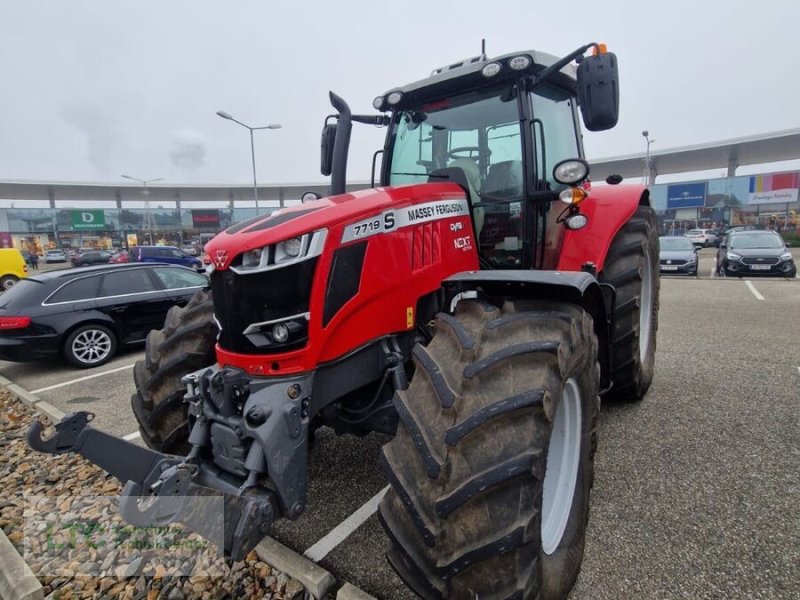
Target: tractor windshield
478,132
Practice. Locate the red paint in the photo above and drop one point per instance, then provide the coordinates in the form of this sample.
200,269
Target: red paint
608,209
400,267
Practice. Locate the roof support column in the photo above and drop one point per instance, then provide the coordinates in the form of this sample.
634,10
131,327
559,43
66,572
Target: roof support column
733,164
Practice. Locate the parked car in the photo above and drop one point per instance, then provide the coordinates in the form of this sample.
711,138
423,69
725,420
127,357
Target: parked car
749,253
164,254
13,267
702,237
92,257
86,313
55,255
119,257
677,255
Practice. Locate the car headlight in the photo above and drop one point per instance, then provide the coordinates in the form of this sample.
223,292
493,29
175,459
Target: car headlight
733,256
786,256
692,259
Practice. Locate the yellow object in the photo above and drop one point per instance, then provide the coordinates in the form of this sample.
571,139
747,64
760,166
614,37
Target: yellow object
12,267
599,49
410,317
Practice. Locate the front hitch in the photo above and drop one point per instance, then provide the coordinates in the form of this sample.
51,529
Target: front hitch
160,489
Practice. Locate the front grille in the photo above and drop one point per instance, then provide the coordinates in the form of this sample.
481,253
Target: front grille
673,262
770,260
241,300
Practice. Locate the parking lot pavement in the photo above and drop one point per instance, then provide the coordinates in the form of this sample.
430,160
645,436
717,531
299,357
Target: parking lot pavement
695,490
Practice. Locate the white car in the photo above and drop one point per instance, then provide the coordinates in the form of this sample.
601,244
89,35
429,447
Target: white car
702,237
55,256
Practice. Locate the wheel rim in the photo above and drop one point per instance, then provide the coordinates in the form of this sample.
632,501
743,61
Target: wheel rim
561,475
645,308
8,284
91,346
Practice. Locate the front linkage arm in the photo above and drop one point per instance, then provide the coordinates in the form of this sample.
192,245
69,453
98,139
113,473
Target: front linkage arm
168,484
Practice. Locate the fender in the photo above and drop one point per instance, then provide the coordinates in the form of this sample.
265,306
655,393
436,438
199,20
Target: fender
608,209
580,288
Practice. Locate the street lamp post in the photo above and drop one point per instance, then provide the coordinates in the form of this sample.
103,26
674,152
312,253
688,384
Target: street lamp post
648,166
225,115
148,219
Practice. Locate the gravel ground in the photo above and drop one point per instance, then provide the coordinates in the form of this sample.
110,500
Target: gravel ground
60,515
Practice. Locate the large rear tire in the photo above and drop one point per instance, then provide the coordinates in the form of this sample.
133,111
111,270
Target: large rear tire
632,267
492,463
186,344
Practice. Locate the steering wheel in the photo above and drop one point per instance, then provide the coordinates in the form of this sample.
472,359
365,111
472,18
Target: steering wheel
455,153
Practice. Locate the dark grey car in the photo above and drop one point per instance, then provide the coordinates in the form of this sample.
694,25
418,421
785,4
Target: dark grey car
678,255
755,253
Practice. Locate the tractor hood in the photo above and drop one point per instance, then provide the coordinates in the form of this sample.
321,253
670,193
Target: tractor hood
327,213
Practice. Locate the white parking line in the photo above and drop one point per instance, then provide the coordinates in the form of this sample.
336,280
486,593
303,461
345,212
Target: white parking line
66,383
713,272
132,436
753,289
339,533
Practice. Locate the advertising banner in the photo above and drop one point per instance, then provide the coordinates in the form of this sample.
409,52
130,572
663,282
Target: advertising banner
83,220
205,218
686,195
773,189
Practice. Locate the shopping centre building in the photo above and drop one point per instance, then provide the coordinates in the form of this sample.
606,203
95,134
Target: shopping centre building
36,216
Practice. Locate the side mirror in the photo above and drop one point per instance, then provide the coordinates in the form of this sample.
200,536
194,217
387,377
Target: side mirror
326,148
598,91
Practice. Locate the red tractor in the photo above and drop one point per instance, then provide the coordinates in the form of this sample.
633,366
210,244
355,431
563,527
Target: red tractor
475,305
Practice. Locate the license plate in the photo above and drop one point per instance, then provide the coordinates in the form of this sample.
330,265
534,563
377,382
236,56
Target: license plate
669,268
760,267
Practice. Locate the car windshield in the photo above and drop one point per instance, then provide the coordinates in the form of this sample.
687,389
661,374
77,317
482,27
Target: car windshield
753,241
676,243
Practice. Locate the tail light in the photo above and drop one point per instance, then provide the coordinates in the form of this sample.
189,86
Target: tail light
7,323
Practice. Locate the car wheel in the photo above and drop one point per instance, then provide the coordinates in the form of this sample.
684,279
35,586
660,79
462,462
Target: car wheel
7,282
90,346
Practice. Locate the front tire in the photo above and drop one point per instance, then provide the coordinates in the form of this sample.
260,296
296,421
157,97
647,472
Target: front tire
90,346
502,403
631,266
186,344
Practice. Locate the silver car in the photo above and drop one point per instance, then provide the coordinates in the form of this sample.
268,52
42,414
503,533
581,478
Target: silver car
702,237
55,256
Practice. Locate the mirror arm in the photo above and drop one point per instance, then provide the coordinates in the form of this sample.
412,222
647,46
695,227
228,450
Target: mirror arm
561,63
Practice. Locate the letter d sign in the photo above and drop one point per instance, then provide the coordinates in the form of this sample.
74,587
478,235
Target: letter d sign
87,217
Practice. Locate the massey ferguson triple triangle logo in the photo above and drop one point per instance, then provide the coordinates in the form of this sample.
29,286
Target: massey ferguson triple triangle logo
219,258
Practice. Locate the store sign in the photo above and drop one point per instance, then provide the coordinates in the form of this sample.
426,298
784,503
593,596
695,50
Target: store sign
686,195
88,219
773,189
205,218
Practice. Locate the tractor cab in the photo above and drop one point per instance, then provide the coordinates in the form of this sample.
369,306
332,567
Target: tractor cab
507,130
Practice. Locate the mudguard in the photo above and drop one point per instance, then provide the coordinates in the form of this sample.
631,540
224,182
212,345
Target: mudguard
608,208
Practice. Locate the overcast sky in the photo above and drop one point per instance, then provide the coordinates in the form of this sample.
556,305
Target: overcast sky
92,89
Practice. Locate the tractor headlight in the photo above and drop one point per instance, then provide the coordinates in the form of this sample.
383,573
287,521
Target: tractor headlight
280,333
281,254
571,171
518,63
394,98
377,103
491,69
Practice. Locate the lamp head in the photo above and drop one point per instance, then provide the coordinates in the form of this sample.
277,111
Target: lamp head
224,115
